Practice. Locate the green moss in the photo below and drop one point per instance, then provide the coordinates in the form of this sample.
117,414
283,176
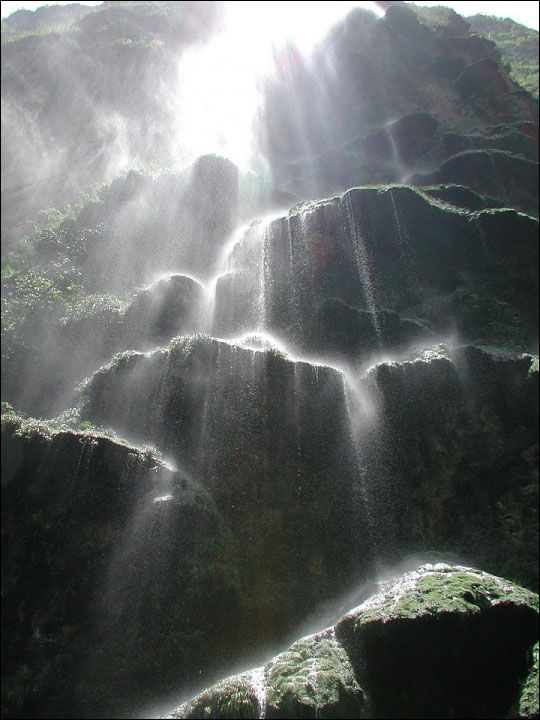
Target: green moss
314,674
528,700
443,589
234,697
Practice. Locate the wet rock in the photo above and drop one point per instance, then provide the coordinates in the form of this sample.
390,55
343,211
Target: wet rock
511,179
234,697
215,407
207,213
443,641
461,196
68,349
392,263
452,463
108,555
313,679
167,308
527,703
416,52
353,331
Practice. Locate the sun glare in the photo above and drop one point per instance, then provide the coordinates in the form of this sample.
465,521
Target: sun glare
218,90
263,24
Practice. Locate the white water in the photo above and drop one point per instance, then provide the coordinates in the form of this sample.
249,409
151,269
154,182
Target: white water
257,679
401,231
362,264
401,170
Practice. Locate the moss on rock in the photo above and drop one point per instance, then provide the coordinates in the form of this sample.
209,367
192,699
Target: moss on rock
440,588
234,697
528,697
439,642
314,679
442,641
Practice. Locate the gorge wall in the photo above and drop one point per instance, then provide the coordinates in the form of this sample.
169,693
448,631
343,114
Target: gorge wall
235,400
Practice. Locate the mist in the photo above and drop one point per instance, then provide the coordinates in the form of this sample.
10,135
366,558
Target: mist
268,357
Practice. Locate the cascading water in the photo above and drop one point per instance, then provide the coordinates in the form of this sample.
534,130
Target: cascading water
362,264
245,343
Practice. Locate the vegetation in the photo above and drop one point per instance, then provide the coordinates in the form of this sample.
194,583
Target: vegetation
125,577
518,45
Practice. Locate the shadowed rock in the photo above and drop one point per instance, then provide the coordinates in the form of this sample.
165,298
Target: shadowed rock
442,641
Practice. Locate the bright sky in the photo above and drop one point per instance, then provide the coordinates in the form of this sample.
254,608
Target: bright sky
522,12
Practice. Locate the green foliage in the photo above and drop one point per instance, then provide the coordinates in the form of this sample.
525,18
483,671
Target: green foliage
518,45
42,277
455,589
528,700
11,35
7,410
28,295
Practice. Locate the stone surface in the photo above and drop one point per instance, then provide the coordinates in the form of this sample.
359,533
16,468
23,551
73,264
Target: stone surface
268,437
108,555
441,641
527,705
444,641
379,268
452,458
313,678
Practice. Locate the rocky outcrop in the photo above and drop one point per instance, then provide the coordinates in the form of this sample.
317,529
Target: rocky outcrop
511,179
441,641
428,645
349,416
382,74
100,540
269,438
527,703
64,350
377,269
501,161
452,458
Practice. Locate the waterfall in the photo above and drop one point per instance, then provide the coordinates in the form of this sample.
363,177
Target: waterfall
265,373
362,263
257,679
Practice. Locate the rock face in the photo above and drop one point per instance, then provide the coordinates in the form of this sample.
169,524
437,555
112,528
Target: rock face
116,535
244,423
453,455
441,641
382,73
83,121
404,639
378,268
289,496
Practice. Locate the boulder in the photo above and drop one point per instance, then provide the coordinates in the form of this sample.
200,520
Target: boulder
313,679
443,641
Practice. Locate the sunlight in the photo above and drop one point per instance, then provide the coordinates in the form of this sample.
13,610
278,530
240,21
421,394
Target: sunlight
264,24
218,83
